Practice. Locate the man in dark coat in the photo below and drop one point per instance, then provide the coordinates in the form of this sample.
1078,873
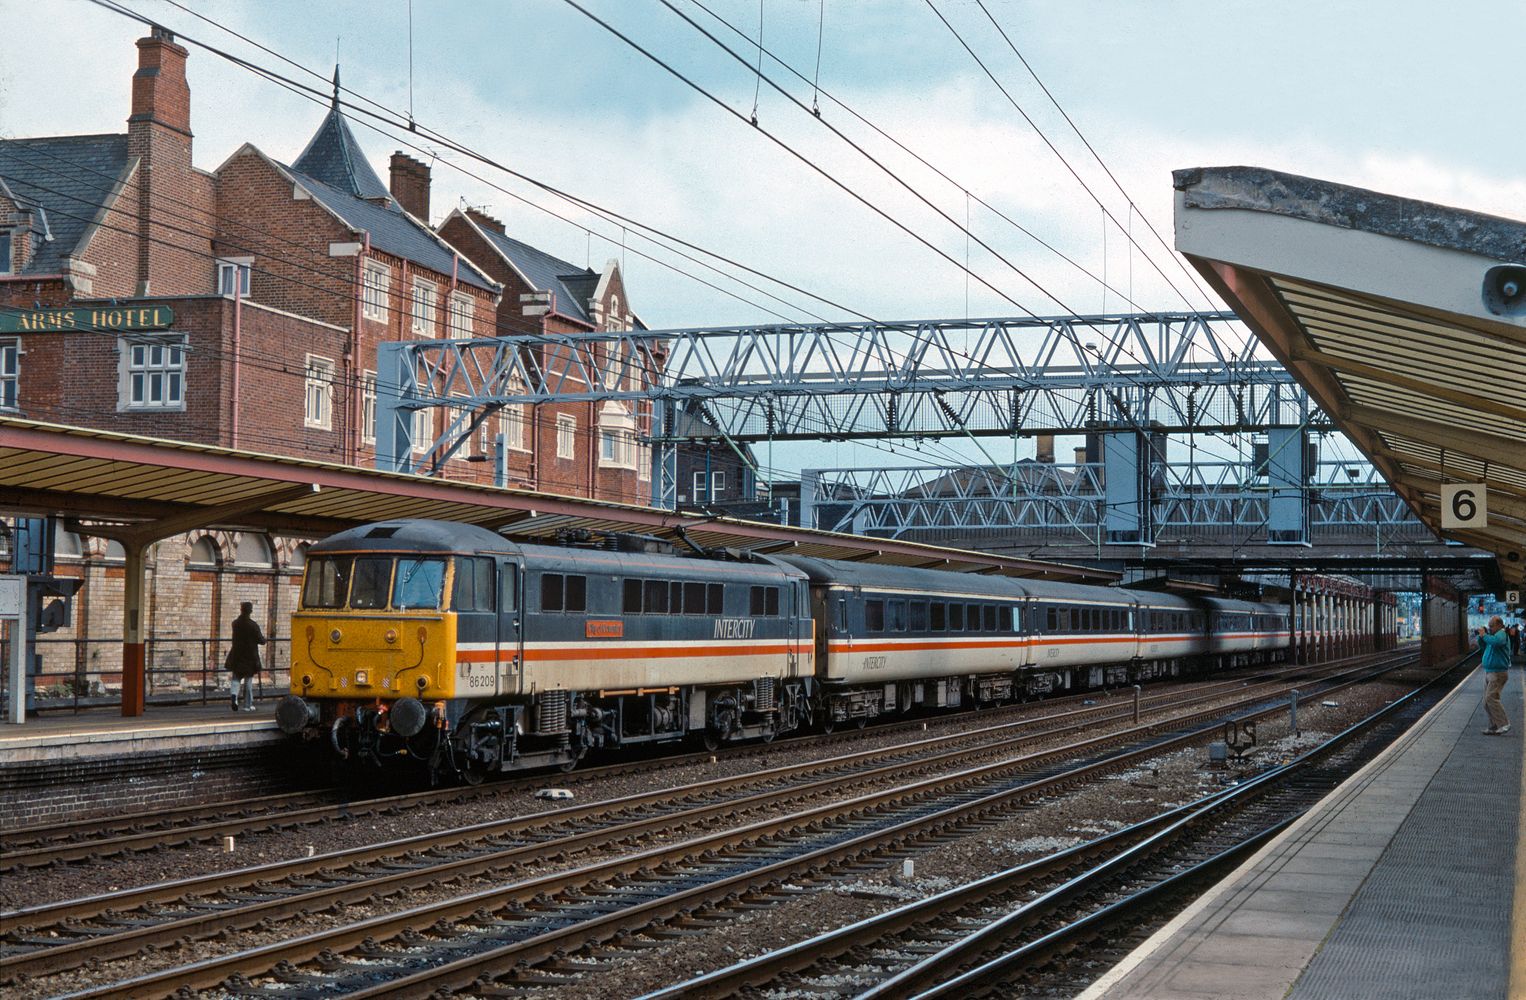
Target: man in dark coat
243,660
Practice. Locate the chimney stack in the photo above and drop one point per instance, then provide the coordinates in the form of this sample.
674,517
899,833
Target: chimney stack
410,185
160,95
484,220
1045,449
1080,456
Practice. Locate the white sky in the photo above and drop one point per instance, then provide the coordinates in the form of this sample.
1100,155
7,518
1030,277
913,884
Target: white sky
1414,98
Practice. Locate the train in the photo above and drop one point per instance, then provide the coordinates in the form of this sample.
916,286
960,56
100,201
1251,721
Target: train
471,654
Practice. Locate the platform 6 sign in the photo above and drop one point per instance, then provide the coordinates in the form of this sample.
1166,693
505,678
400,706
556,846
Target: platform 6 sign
1464,505
86,318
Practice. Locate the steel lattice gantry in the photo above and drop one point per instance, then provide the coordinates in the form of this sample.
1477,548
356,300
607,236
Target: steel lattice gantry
1073,500
840,381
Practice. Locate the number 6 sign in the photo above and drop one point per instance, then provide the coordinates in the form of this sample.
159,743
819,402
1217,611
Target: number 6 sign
1464,505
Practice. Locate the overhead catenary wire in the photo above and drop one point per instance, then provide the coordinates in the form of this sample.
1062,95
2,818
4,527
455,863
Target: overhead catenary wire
1052,147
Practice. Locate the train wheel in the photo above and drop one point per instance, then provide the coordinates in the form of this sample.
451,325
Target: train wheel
828,724
711,739
863,720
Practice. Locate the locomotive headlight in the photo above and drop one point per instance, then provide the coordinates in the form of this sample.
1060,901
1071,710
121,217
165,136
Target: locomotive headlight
422,682
391,635
307,680
362,677
336,635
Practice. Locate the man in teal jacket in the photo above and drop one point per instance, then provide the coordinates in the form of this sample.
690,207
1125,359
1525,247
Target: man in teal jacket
1496,646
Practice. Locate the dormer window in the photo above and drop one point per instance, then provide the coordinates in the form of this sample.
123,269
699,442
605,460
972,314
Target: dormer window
233,276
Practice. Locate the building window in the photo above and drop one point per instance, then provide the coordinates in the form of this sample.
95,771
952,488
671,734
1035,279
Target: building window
231,271
5,253
717,486
10,373
617,437
377,282
319,409
423,435
566,436
423,311
460,315
368,407
643,461
153,373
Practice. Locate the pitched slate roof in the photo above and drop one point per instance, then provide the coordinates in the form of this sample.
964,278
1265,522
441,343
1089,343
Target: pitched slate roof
572,284
335,158
64,181
393,231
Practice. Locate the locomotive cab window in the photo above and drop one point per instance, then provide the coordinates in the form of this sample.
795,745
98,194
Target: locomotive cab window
372,579
328,581
474,588
418,583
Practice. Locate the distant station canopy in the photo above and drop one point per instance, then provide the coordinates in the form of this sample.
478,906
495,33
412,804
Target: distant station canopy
1406,322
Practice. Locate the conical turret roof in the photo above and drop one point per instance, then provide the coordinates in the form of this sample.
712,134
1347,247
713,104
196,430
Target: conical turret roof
335,158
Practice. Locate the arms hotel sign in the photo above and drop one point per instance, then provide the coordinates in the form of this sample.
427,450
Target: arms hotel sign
87,319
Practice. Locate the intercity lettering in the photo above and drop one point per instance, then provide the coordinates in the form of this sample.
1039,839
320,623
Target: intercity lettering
735,628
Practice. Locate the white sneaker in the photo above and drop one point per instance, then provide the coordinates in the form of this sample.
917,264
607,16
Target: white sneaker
1502,730
1491,731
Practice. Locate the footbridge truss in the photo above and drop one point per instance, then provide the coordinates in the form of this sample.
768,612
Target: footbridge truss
1172,372
1338,502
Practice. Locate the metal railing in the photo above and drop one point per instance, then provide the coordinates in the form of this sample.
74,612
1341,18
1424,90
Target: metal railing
76,674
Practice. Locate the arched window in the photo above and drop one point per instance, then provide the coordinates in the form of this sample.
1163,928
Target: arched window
298,558
115,552
253,550
204,553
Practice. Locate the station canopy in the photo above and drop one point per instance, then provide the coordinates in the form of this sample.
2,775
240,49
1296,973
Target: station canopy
168,487
1405,321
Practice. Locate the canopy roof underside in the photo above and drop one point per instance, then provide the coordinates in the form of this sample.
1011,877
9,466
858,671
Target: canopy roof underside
1376,304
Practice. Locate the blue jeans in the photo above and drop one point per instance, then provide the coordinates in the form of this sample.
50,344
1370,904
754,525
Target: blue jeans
242,690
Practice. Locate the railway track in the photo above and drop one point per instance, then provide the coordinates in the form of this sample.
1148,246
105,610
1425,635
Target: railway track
997,935
90,840
734,845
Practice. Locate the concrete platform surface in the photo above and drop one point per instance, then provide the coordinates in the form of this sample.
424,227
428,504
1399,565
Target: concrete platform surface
1408,881
104,731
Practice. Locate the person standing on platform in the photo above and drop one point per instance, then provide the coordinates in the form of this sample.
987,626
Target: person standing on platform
243,660
1514,632
1496,646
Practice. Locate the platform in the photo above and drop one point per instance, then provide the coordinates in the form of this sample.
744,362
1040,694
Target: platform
105,732
1405,882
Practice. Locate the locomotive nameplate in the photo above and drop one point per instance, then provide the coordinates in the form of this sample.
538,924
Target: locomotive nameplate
604,630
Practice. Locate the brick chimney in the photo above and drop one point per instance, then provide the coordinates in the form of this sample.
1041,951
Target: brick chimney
410,185
484,220
1045,449
169,197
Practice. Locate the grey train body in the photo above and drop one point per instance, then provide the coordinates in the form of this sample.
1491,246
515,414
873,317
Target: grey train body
561,649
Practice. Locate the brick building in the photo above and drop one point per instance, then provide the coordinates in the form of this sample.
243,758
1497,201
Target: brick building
592,449
243,307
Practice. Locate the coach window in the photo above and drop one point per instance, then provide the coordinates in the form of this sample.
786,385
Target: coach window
694,598
874,616
896,616
1051,619
632,597
956,617
1006,618
656,602
918,621
988,613
939,617
508,589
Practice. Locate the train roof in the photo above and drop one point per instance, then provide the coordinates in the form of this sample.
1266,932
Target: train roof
415,535
1248,607
889,577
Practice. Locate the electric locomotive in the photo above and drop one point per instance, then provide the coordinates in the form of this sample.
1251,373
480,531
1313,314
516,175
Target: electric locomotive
473,654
